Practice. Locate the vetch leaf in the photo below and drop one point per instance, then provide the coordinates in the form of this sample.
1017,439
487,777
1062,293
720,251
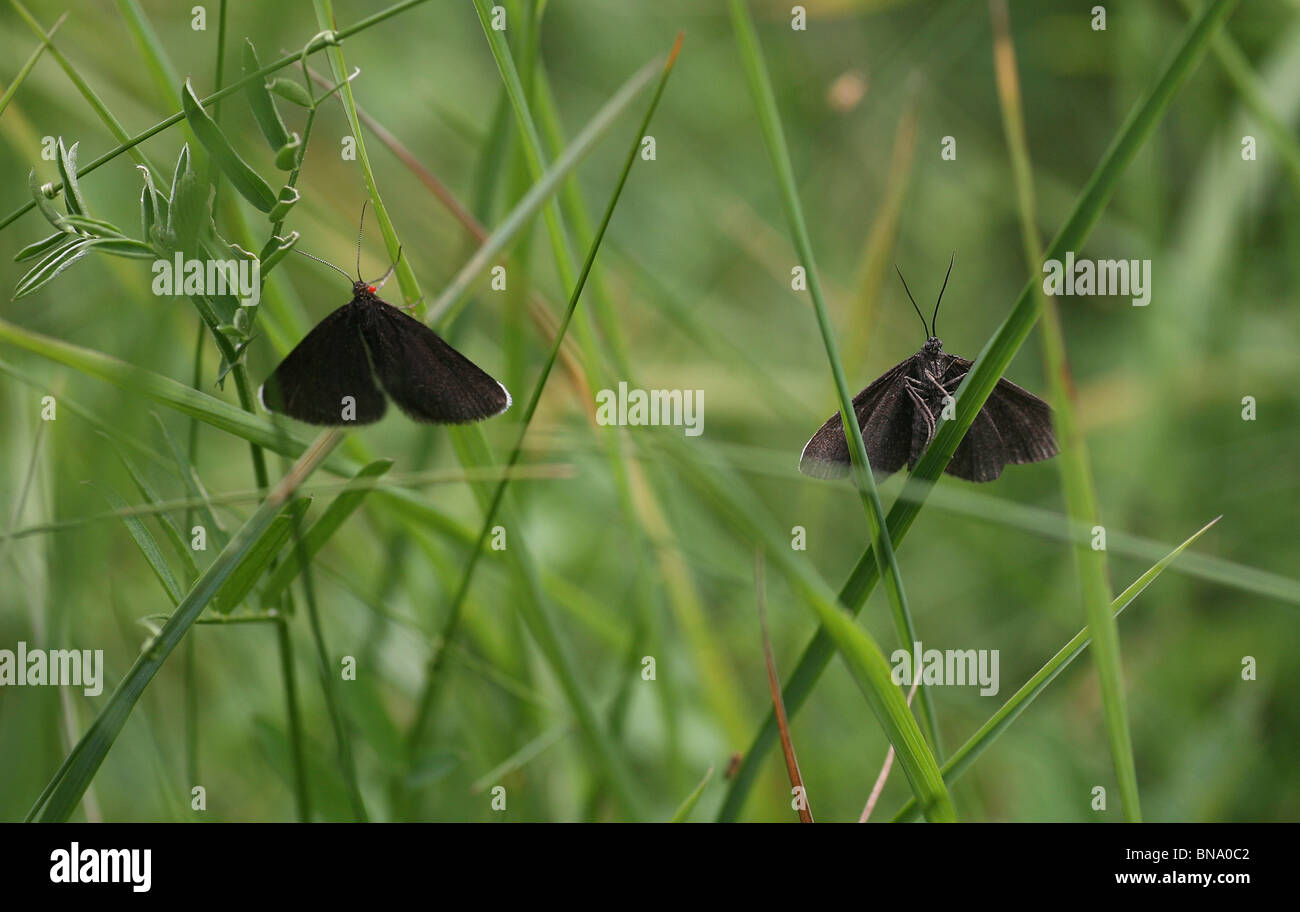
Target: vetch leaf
187,206
260,100
290,90
46,270
289,156
62,257
94,227
43,203
288,196
242,177
31,251
153,209
276,249
67,162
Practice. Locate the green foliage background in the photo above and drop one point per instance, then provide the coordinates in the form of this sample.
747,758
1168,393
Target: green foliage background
694,276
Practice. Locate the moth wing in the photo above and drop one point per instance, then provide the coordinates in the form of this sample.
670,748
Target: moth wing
427,378
981,454
1022,420
884,413
328,365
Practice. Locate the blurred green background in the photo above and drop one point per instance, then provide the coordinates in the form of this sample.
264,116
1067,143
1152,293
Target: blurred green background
695,272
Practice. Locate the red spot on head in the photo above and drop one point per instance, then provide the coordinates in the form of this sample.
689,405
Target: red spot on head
370,288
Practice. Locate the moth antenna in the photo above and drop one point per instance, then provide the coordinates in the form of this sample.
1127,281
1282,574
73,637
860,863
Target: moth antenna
326,262
933,325
360,231
913,300
389,274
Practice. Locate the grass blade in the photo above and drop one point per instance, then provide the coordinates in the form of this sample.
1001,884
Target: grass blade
688,803
965,755
774,686
334,516
26,68
249,570
148,546
69,783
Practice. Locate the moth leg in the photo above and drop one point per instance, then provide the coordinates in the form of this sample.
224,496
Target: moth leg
923,426
939,386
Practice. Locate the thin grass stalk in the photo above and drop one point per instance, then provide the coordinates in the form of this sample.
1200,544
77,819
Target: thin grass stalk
802,803
30,62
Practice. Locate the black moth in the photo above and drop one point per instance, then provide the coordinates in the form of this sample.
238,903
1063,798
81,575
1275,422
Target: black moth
329,378
900,412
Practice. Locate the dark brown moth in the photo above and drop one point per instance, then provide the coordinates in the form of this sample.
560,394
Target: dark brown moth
900,412
368,351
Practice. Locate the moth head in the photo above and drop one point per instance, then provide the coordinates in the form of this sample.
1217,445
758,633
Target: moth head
933,346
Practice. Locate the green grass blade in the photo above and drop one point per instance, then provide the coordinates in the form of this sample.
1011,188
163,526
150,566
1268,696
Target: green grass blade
987,733
1241,74
541,191
751,55
861,654
91,96
988,369
254,564
688,803
343,506
173,533
30,62
148,546
69,783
